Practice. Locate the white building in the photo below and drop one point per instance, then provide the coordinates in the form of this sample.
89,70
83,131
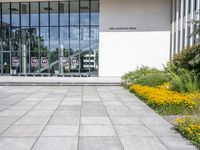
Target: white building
126,33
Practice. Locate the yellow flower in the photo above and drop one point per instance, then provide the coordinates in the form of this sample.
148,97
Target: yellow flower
163,96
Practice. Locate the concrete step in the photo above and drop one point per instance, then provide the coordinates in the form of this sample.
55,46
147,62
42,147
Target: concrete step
59,81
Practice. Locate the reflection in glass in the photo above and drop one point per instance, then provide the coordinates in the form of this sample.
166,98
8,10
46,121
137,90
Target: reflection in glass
53,60
64,13
6,63
34,14
15,39
55,29
74,49
54,39
5,37
84,12
74,13
64,37
44,39
44,17
85,48
94,12
5,26
84,38
25,14
15,14
34,39
6,14
53,13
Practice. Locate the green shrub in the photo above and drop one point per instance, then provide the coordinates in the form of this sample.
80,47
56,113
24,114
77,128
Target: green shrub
153,79
184,81
189,59
132,76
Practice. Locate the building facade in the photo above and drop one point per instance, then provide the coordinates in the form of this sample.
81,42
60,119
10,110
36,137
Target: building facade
49,37
95,37
183,13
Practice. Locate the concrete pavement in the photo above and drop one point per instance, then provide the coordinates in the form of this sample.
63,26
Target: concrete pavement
81,118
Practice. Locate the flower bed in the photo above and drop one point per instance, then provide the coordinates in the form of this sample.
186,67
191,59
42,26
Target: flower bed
166,102
190,128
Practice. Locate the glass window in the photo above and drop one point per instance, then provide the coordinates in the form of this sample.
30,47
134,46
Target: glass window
6,63
0,37
84,12
64,37
94,33
15,14
34,39
44,16
5,38
54,38
74,33
25,14
74,49
15,38
74,13
41,33
25,32
189,7
94,39
5,26
6,14
94,12
44,38
53,13
84,38
34,14
64,13
195,5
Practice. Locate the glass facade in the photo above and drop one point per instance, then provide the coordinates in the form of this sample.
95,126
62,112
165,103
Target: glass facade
59,37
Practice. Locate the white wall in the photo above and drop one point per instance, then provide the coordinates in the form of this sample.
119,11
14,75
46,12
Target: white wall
124,50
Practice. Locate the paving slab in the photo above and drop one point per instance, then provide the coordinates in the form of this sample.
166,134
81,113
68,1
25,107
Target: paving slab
97,130
60,130
100,143
32,120
95,120
64,120
23,131
142,143
16,143
81,118
56,143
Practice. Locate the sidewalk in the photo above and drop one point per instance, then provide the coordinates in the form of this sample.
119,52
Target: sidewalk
81,118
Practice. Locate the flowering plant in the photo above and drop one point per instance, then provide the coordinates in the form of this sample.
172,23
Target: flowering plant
190,128
165,101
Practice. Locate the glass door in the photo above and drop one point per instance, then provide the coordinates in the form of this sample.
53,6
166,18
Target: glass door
6,63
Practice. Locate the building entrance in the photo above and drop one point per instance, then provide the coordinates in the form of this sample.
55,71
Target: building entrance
57,38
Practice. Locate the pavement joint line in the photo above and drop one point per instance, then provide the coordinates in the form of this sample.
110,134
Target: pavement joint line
110,119
79,129
49,119
142,122
19,101
24,113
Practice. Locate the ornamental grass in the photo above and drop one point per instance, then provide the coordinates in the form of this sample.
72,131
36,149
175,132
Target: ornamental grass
189,128
167,102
